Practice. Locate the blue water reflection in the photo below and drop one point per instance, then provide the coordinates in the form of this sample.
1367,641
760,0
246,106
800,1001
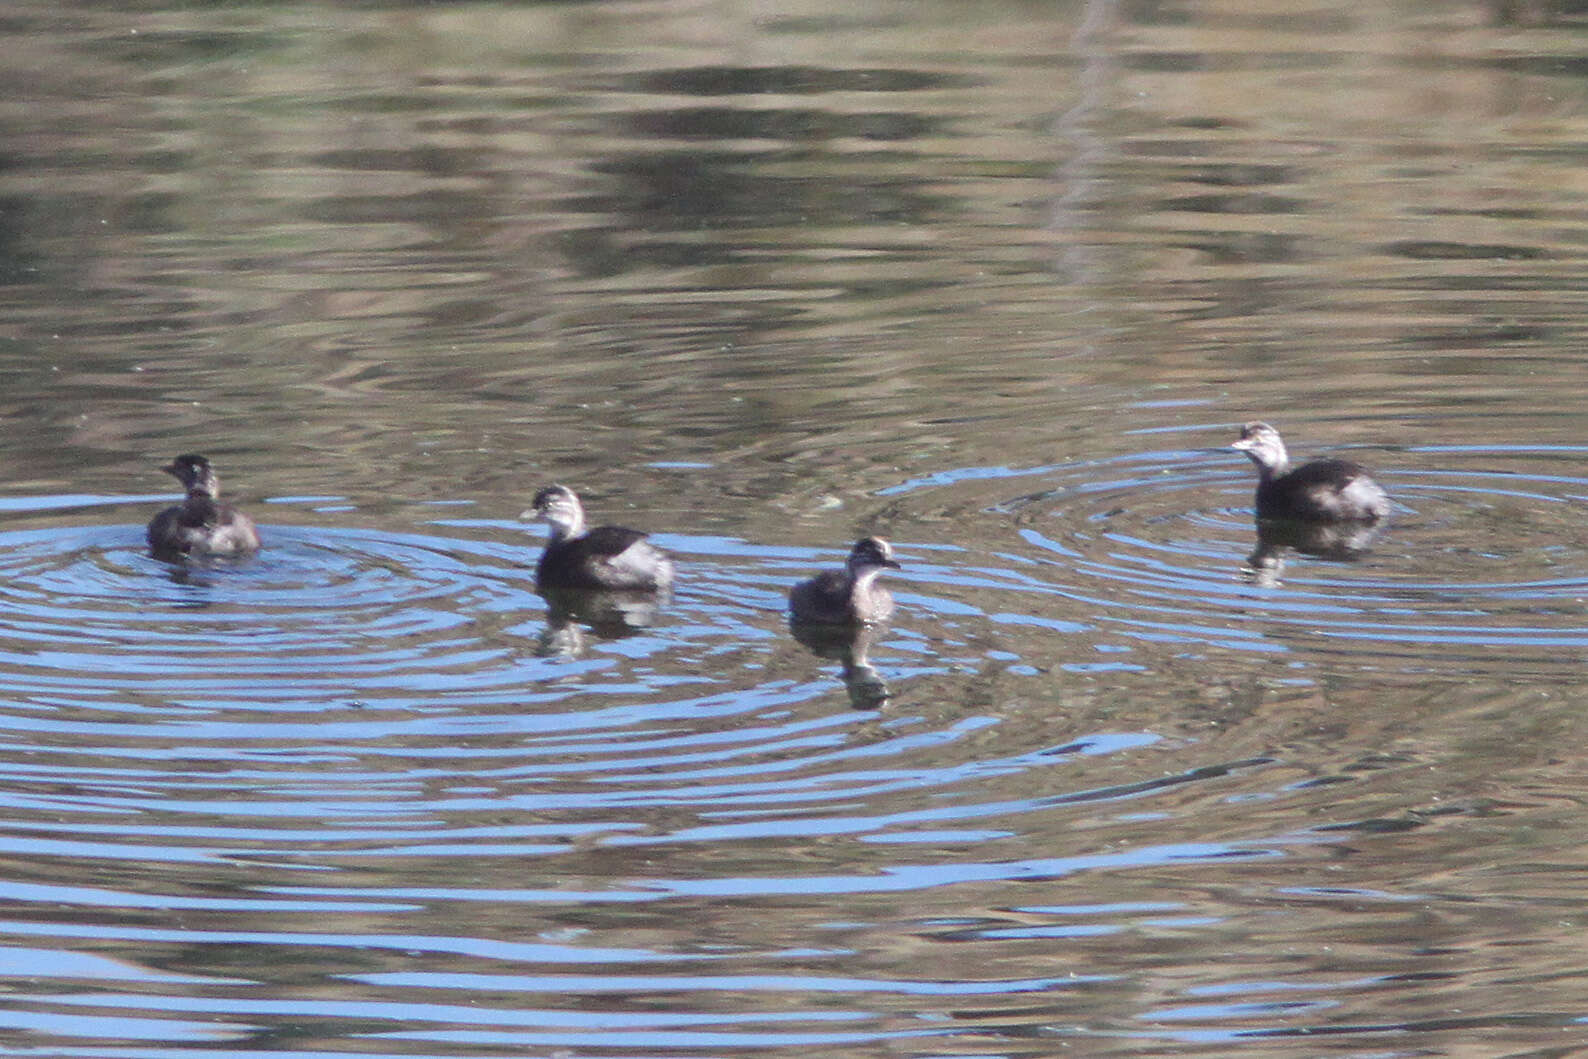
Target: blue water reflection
995,281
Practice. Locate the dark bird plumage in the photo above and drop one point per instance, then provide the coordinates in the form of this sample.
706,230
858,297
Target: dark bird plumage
606,557
849,596
202,524
1320,491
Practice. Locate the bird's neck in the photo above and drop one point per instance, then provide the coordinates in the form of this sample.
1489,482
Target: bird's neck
1267,472
566,527
861,578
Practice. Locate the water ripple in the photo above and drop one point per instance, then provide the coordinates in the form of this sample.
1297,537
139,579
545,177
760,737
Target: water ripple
365,748
1159,551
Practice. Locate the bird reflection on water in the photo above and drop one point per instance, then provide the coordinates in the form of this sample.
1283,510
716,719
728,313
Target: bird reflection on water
1338,542
851,647
608,614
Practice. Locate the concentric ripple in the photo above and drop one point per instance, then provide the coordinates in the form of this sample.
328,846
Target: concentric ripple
317,615
382,756
379,758
376,693
1482,568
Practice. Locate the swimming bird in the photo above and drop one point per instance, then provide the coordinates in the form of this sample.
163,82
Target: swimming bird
849,596
610,557
1320,491
202,524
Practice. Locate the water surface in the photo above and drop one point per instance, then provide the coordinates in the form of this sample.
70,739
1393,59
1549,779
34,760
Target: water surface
996,281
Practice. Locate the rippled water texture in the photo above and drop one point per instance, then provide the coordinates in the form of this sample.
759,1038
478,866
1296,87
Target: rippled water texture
1126,775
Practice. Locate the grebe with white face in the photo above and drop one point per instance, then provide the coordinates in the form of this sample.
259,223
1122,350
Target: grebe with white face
606,557
1320,491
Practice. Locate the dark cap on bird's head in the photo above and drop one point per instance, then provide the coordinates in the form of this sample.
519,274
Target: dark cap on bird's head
872,551
194,472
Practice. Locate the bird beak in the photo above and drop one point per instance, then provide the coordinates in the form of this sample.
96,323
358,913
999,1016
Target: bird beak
1242,445
173,470
892,564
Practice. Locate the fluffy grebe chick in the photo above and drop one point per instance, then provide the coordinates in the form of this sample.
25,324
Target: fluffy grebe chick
202,524
610,557
1320,491
849,596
